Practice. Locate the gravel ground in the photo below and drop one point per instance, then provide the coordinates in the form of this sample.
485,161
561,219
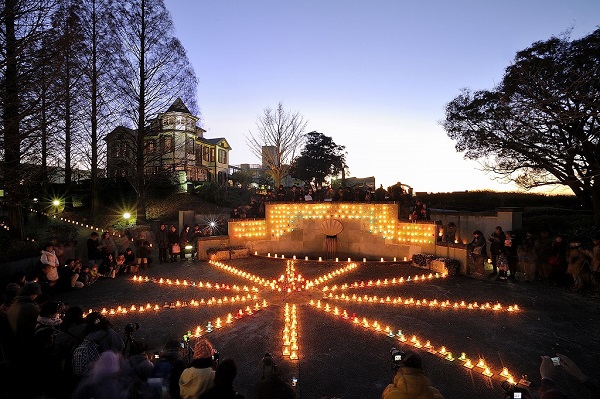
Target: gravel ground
338,358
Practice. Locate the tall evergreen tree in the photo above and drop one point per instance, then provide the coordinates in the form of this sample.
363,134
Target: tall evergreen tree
320,158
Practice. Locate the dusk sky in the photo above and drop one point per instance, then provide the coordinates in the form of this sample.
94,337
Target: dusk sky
373,75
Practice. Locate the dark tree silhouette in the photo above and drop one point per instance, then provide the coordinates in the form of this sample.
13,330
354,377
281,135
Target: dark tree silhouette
320,158
540,125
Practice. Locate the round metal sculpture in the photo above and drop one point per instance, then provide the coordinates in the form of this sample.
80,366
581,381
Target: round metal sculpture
331,228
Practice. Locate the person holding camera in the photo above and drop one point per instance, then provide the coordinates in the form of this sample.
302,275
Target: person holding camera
272,386
409,380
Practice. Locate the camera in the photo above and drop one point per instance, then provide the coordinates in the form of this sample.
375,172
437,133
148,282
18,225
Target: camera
131,327
397,357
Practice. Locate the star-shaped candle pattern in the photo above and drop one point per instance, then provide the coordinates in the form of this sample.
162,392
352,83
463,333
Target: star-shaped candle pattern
332,292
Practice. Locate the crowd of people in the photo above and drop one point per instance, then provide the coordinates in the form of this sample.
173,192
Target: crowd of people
538,257
410,381
256,207
173,245
49,350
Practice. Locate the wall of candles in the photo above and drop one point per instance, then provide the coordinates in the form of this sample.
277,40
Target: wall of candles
362,222
416,233
249,229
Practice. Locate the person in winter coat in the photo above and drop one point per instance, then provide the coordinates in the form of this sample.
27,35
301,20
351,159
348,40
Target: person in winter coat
173,241
496,247
46,364
143,253
223,388
50,264
22,314
477,252
162,239
94,252
272,386
184,238
410,382
200,376
99,329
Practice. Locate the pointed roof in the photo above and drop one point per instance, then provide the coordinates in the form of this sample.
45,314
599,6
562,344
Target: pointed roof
179,106
220,141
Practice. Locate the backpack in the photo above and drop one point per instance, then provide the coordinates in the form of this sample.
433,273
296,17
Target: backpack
85,354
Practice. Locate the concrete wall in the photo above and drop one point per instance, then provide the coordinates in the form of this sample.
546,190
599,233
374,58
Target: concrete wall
205,243
356,242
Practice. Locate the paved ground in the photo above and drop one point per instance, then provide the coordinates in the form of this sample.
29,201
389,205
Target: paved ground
339,358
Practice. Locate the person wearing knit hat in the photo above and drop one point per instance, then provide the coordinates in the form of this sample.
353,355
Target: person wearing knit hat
200,376
410,382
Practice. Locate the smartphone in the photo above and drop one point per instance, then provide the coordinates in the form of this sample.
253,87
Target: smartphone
517,395
556,360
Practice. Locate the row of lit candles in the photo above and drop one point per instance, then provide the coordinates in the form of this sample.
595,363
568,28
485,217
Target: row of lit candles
320,258
290,333
326,277
414,341
75,222
386,282
274,284
380,219
199,284
291,280
300,207
122,310
228,320
431,303
240,273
